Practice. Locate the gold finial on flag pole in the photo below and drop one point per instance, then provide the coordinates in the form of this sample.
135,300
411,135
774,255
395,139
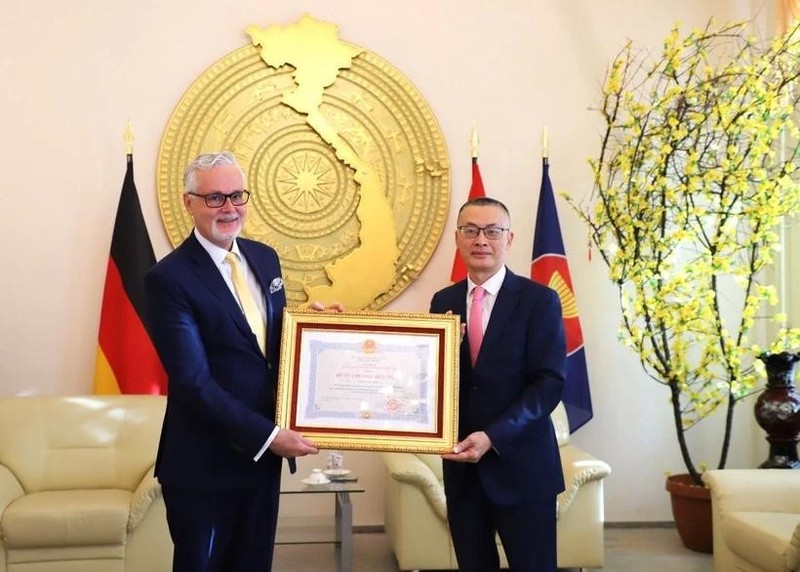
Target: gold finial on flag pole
545,142
474,140
127,136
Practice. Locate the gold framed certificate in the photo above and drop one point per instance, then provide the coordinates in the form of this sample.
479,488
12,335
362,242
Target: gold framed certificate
372,381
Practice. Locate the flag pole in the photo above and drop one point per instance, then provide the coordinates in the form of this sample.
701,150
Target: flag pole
474,141
545,142
128,137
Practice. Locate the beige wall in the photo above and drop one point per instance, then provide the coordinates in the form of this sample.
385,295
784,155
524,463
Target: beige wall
73,72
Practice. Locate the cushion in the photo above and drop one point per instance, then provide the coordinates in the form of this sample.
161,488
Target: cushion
80,442
762,538
793,552
67,518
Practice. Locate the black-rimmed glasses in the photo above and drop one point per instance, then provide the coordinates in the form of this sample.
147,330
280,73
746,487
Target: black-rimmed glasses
216,200
490,232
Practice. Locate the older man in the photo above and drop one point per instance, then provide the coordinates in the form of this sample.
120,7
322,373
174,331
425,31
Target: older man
215,307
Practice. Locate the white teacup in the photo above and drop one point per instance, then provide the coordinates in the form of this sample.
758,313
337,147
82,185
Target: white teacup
335,460
317,477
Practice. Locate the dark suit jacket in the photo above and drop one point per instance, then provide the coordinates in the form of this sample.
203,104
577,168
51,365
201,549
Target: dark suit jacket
221,389
516,383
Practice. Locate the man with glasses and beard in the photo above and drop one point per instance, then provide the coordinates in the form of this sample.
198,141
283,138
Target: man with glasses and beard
215,307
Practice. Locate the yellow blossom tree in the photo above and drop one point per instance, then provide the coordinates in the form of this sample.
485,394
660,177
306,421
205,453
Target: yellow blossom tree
695,173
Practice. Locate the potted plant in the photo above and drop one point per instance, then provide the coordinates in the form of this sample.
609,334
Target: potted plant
695,173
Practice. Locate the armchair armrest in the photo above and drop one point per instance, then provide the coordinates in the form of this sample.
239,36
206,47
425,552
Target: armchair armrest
10,488
771,490
407,468
145,494
579,468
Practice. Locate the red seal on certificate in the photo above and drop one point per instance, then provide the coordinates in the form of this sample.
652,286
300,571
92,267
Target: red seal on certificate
369,346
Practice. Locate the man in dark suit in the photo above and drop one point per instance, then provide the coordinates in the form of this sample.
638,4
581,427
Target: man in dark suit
505,473
215,307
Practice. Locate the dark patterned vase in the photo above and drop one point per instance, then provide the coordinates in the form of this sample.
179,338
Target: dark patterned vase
777,411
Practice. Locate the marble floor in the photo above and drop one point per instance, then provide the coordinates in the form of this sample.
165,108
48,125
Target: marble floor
627,550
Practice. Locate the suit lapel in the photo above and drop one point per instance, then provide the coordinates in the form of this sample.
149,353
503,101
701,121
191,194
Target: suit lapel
257,268
209,275
502,312
460,300
459,306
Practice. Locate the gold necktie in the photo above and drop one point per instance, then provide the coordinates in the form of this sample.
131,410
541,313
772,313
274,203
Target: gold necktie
247,301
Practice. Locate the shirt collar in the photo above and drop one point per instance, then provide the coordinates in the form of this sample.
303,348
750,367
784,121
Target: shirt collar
216,253
492,285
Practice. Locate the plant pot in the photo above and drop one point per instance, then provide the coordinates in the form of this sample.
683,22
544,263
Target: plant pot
691,509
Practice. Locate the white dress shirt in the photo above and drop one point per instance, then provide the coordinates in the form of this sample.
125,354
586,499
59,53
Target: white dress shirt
218,255
492,287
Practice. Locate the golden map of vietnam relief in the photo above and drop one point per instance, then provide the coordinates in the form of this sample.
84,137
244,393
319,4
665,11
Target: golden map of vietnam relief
345,160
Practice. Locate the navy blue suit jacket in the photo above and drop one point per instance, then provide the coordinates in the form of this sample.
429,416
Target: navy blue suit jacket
221,388
510,392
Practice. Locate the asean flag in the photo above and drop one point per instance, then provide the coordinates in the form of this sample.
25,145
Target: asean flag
549,267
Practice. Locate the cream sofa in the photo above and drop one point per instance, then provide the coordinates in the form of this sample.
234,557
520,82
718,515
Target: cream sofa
77,492
756,519
416,512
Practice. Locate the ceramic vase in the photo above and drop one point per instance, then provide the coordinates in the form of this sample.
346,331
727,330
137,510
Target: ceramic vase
777,410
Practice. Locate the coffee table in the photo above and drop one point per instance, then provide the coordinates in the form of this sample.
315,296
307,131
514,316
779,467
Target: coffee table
310,532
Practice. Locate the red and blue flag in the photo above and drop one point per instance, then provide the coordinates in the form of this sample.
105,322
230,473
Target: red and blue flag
549,266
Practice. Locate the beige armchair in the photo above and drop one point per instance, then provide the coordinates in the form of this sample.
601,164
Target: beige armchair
756,519
416,512
77,492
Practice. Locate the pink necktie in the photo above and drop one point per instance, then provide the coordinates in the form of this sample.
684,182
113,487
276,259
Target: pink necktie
475,325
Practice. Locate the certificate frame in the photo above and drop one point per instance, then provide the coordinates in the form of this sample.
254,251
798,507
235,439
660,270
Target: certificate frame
370,381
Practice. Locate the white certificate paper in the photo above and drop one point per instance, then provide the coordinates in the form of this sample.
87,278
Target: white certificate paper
358,380
372,381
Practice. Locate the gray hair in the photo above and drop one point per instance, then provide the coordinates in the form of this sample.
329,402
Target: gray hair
204,162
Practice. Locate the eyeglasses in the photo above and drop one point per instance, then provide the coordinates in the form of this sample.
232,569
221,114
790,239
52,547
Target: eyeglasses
490,232
216,200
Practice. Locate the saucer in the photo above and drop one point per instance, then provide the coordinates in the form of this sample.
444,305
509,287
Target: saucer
312,482
336,473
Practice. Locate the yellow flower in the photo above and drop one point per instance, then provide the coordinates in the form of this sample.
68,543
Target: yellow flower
688,195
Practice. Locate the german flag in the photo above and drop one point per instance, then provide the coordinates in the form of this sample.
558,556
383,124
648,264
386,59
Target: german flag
127,361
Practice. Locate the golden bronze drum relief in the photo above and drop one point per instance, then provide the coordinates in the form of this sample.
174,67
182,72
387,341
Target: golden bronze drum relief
346,163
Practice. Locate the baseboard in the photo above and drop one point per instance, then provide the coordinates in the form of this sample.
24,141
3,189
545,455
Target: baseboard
641,524
369,528
379,528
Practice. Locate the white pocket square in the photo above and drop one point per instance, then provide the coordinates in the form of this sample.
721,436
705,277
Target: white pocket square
276,285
